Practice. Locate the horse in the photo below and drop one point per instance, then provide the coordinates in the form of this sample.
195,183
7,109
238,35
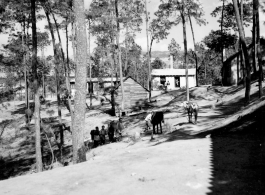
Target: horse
156,120
191,108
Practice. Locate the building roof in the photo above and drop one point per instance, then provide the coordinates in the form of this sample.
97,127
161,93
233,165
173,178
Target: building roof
172,72
94,80
133,80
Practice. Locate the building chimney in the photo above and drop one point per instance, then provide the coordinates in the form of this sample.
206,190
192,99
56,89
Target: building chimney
171,62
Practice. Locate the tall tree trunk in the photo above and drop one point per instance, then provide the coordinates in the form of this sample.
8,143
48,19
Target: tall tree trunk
126,52
182,12
79,154
148,54
222,53
90,67
73,41
112,68
43,84
256,15
237,64
112,98
254,40
194,43
67,73
119,53
36,89
66,65
245,51
57,78
150,50
243,65
24,63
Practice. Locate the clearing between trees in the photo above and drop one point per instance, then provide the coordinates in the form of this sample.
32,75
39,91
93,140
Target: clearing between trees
222,153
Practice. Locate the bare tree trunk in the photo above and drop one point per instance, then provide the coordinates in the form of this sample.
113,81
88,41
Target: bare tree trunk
57,80
25,65
243,65
112,68
222,54
65,64
90,67
67,72
119,53
79,154
36,89
148,54
150,50
74,41
245,51
196,59
43,85
182,12
237,64
260,73
126,53
254,40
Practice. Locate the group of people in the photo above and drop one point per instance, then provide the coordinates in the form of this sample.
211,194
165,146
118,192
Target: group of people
113,133
98,136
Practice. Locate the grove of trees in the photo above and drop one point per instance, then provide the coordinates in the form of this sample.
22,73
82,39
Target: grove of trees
113,25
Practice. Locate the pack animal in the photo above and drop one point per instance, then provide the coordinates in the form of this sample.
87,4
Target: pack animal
192,108
157,119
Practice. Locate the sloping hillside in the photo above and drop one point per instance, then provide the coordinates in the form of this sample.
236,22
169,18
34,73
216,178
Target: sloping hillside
185,159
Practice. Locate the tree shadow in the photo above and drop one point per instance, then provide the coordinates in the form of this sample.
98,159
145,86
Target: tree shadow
238,157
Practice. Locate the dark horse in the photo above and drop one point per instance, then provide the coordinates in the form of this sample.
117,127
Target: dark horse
192,108
156,120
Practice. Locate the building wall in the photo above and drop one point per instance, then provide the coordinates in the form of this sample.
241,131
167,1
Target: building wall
134,94
171,80
191,79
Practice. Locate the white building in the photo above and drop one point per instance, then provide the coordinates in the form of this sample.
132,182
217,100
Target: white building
173,78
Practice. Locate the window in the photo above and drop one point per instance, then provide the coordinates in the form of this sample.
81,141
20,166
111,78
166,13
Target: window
101,85
177,82
162,80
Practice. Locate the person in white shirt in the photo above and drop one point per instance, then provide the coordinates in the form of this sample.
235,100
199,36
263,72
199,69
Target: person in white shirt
148,120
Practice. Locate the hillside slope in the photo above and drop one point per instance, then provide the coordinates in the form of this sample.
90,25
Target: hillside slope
183,160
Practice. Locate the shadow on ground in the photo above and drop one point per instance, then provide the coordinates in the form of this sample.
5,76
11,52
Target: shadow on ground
237,155
238,158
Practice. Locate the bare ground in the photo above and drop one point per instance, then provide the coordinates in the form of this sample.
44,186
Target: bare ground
186,159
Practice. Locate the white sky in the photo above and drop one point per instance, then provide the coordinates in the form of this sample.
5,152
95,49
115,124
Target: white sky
175,32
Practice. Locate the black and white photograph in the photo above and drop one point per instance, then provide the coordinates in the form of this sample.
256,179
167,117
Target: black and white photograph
132,97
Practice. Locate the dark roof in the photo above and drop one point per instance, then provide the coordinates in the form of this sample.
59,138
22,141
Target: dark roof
134,80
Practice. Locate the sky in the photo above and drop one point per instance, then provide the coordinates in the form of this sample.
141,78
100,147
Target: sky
176,32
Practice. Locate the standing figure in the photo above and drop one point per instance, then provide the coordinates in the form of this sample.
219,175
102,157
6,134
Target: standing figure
111,132
167,85
148,120
103,135
96,137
